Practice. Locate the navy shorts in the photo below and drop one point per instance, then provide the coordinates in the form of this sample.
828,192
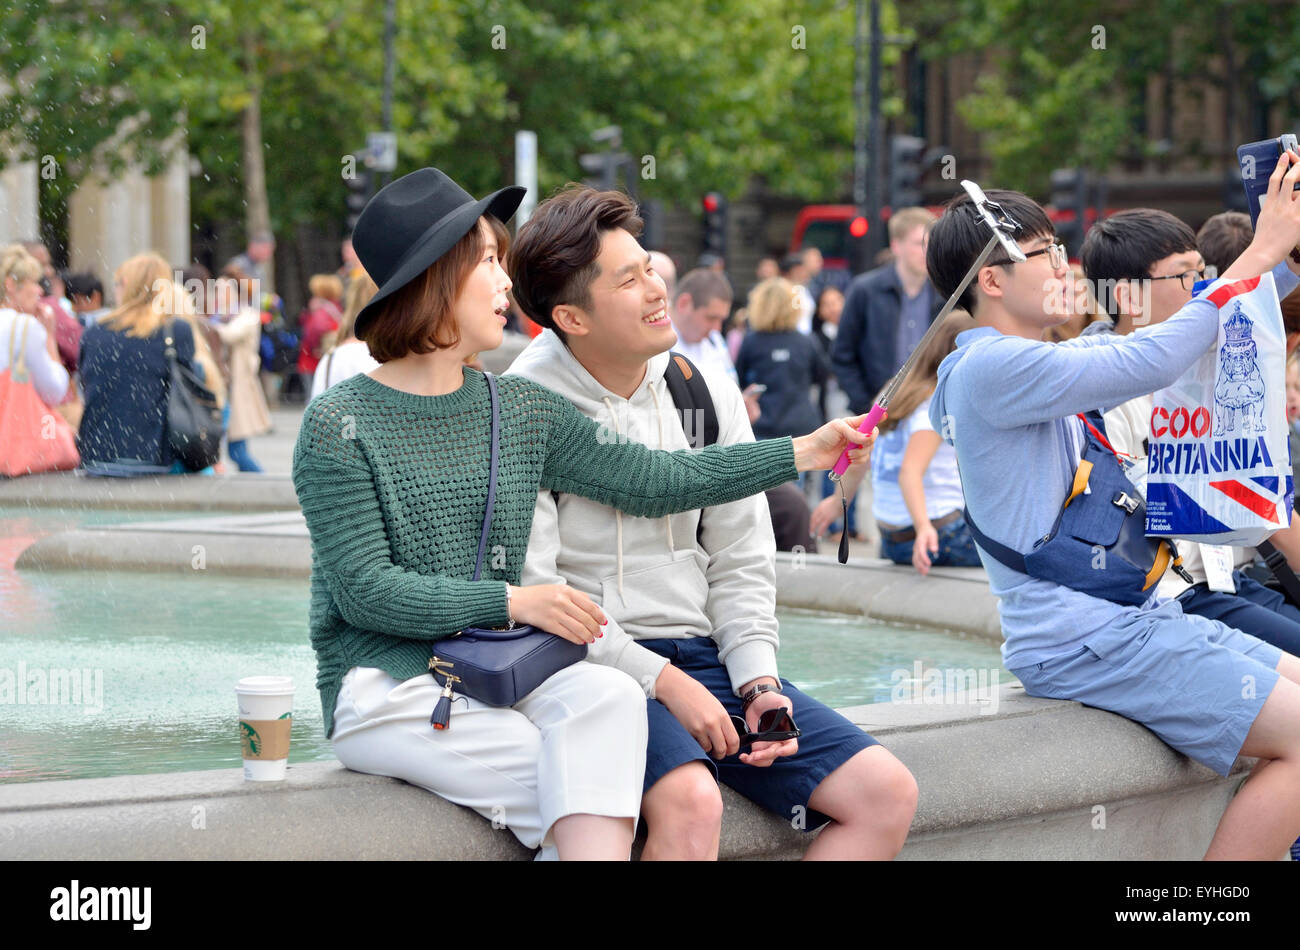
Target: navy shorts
827,739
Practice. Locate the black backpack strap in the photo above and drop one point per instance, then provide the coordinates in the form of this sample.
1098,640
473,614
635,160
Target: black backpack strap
693,401
1281,570
694,404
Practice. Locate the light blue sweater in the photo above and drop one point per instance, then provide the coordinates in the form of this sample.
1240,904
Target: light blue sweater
1008,407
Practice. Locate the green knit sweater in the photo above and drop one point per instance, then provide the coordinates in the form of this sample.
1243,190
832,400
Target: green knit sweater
394,485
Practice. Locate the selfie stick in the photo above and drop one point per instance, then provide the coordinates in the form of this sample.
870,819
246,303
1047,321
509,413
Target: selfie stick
1003,227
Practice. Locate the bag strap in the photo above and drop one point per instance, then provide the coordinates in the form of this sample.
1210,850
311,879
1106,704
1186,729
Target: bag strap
691,396
1281,570
492,472
1009,558
18,355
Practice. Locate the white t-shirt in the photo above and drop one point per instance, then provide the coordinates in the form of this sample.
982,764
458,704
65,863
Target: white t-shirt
342,362
940,482
47,375
807,307
709,353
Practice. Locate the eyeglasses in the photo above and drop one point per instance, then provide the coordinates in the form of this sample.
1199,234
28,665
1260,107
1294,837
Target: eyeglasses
1188,279
774,725
1056,256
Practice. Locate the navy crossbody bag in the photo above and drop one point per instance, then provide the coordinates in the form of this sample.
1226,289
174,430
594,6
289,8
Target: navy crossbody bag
498,667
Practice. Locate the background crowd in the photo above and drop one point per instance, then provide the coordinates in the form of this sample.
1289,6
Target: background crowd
87,371
808,344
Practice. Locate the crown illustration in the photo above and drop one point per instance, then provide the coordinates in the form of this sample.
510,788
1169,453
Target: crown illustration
1237,327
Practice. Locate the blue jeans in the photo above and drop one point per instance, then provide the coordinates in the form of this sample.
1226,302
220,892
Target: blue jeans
956,547
239,455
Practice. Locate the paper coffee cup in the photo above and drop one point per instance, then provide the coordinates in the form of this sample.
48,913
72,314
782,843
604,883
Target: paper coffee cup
265,720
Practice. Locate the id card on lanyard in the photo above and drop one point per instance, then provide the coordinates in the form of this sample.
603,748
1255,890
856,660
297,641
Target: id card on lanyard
1218,567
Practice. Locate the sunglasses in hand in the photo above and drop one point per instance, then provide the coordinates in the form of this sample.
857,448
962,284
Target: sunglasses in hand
774,725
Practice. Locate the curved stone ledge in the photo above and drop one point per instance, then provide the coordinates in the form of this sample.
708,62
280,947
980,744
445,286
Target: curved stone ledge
952,598
274,544
949,598
1036,779
232,492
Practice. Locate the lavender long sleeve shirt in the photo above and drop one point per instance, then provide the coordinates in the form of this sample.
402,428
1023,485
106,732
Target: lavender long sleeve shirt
1008,406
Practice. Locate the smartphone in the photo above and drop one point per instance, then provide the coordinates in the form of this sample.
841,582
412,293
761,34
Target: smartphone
756,389
1257,161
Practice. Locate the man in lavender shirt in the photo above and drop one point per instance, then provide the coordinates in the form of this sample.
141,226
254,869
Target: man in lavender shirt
1008,402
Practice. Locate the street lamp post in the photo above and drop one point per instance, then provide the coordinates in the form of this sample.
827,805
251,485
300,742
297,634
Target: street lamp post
390,34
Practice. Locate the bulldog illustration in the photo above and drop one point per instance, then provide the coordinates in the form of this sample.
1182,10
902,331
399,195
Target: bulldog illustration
1239,391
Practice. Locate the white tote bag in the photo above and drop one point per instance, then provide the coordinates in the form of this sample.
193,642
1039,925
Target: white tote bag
1218,458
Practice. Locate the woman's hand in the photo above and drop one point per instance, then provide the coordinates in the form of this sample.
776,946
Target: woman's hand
558,609
927,541
822,449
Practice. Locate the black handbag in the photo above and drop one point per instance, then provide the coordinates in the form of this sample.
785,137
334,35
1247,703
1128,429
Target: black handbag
498,667
194,427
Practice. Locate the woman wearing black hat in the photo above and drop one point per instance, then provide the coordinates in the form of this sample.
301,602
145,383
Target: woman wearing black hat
392,472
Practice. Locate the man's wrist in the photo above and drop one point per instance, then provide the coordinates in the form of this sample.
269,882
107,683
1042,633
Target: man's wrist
666,681
755,690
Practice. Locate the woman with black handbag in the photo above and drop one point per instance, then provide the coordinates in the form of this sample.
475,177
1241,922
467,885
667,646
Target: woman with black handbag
418,482
130,374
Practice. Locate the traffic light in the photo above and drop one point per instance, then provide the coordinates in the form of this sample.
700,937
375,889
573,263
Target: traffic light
358,196
1070,199
715,224
906,164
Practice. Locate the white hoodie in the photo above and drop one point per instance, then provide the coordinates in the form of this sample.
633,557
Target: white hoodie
648,574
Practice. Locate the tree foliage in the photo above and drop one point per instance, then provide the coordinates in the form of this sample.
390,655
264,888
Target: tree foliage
713,92
1070,84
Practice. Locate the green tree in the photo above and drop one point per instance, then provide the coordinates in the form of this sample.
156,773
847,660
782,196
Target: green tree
1071,87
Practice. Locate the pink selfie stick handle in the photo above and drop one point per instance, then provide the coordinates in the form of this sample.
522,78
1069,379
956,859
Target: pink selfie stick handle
873,418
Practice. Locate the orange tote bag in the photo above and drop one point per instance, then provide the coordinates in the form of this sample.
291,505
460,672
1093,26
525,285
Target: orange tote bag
33,437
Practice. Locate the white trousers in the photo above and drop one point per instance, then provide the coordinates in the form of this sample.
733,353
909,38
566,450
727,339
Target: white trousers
575,745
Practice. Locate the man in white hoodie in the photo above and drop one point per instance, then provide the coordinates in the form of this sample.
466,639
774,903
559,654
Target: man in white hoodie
690,597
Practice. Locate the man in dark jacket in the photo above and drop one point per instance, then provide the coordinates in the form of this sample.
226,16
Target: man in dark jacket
886,312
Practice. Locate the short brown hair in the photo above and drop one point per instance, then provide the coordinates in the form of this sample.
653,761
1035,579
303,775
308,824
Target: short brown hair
554,257
906,220
704,285
1223,237
420,317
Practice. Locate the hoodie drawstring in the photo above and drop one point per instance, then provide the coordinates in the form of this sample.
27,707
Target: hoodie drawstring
668,521
618,515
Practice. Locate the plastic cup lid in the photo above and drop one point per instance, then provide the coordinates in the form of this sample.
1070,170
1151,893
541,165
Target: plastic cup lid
265,685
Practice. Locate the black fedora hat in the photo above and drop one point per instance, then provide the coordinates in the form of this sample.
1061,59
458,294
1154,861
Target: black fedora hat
412,222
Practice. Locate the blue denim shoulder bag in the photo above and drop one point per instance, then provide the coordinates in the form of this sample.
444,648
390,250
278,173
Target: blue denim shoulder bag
1098,543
